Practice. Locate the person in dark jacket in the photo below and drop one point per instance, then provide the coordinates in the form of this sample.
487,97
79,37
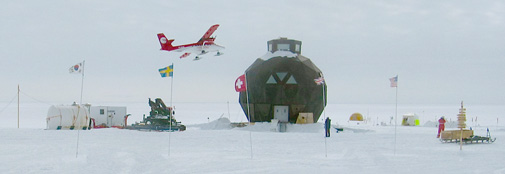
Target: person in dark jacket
327,126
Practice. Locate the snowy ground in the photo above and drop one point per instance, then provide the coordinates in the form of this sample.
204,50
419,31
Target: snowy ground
212,147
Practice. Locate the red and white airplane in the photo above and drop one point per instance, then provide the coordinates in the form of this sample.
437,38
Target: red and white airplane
203,46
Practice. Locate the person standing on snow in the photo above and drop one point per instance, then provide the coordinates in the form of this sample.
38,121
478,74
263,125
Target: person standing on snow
441,125
327,126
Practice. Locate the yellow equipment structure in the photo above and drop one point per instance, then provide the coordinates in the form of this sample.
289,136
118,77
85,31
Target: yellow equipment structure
464,135
456,134
305,118
356,117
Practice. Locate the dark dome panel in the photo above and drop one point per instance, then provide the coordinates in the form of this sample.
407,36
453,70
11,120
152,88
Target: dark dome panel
282,87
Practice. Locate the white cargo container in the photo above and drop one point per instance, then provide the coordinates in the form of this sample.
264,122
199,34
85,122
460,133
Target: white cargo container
67,117
108,116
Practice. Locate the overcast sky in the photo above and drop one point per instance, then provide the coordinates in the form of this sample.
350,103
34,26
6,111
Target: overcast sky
442,51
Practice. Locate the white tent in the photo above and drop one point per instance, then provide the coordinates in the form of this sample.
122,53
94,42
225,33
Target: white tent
67,117
410,120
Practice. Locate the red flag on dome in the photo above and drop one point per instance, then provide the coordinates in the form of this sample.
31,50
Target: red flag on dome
240,83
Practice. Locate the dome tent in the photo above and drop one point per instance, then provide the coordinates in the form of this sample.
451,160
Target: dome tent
282,79
356,117
410,119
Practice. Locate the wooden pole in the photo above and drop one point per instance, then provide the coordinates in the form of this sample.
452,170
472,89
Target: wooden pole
461,139
461,124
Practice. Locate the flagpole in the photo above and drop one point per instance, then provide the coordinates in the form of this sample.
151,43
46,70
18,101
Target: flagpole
172,108
229,117
82,81
18,106
324,115
78,109
171,88
78,132
396,111
248,113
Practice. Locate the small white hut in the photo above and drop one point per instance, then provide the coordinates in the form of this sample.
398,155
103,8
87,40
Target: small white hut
108,116
67,117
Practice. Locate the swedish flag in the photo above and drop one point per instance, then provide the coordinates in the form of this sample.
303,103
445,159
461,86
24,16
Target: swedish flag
167,71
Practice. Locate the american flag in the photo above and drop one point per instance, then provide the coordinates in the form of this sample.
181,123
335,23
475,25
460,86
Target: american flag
319,81
394,81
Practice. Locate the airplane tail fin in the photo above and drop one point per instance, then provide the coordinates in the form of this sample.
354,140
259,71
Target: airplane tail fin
165,43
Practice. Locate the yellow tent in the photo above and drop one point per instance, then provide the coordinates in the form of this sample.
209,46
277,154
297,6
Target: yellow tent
356,117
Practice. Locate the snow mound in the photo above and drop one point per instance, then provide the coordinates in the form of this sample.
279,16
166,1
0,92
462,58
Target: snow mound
501,130
259,127
311,128
269,55
430,124
225,124
219,124
269,127
356,130
449,124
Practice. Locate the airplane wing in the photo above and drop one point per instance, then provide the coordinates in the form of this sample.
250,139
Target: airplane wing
209,33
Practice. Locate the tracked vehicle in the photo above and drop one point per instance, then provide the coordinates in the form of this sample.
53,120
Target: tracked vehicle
161,118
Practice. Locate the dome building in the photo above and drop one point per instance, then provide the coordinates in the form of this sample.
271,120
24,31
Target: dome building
282,85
